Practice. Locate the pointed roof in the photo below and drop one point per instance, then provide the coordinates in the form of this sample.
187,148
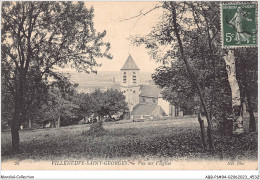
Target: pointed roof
148,109
130,64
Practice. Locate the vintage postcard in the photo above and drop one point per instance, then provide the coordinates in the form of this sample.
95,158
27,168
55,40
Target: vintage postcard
126,85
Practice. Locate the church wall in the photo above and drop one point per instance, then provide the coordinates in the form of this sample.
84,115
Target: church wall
148,100
165,105
132,96
172,110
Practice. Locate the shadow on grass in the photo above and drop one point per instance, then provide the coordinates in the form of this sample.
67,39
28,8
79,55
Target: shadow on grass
120,143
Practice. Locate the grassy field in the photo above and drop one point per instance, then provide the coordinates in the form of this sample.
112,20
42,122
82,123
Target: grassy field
177,138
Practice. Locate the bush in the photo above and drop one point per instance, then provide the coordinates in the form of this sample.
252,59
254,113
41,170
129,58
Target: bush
96,127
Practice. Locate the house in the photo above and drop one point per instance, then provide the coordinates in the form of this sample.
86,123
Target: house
144,101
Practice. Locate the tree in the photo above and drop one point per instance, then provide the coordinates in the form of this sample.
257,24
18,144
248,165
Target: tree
108,103
177,88
190,39
187,42
101,104
113,103
246,65
86,106
64,96
60,105
235,92
35,95
7,109
38,35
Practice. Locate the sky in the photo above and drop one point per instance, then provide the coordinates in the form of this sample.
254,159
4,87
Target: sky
109,16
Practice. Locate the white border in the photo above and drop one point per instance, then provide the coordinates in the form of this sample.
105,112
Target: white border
133,174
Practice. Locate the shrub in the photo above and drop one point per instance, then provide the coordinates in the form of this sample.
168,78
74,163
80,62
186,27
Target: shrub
96,127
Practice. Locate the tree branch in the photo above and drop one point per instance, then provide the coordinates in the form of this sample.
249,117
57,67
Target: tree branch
141,14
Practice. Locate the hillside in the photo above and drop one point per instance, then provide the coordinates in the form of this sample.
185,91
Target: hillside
178,140
103,79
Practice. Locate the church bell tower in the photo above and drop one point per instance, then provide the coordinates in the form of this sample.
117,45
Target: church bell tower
130,82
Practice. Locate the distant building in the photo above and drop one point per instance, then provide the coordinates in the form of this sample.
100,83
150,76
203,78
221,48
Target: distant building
130,82
143,100
102,88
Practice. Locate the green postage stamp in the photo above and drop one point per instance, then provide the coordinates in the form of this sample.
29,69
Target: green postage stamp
239,25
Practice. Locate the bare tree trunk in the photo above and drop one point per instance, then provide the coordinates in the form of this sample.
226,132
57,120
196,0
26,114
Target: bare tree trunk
58,122
20,82
252,122
59,110
15,124
214,68
15,137
29,121
18,113
236,100
192,76
202,129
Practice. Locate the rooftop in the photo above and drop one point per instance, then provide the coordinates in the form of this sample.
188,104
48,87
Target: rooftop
150,91
130,64
147,109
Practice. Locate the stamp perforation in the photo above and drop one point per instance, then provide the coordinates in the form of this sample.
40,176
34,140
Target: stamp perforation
221,23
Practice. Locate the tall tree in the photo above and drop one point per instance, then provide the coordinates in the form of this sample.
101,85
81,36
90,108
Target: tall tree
114,102
37,36
60,108
246,66
84,101
108,103
188,38
181,37
177,89
176,29
238,127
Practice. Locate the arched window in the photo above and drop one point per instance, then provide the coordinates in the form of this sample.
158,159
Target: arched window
134,77
124,77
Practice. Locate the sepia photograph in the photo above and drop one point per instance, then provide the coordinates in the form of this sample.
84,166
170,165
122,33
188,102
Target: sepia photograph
129,85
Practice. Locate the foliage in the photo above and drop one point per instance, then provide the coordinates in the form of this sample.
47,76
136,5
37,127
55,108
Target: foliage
96,128
57,33
7,109
188,38
36,36
59,103
199,29
178,90
113,103
102,104
84,101
35,96
247,69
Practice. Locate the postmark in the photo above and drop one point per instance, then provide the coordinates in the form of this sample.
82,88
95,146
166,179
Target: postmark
239,25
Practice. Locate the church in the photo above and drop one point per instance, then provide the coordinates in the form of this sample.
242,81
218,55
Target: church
144,101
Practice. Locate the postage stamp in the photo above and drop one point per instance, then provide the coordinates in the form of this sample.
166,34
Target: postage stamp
239,25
